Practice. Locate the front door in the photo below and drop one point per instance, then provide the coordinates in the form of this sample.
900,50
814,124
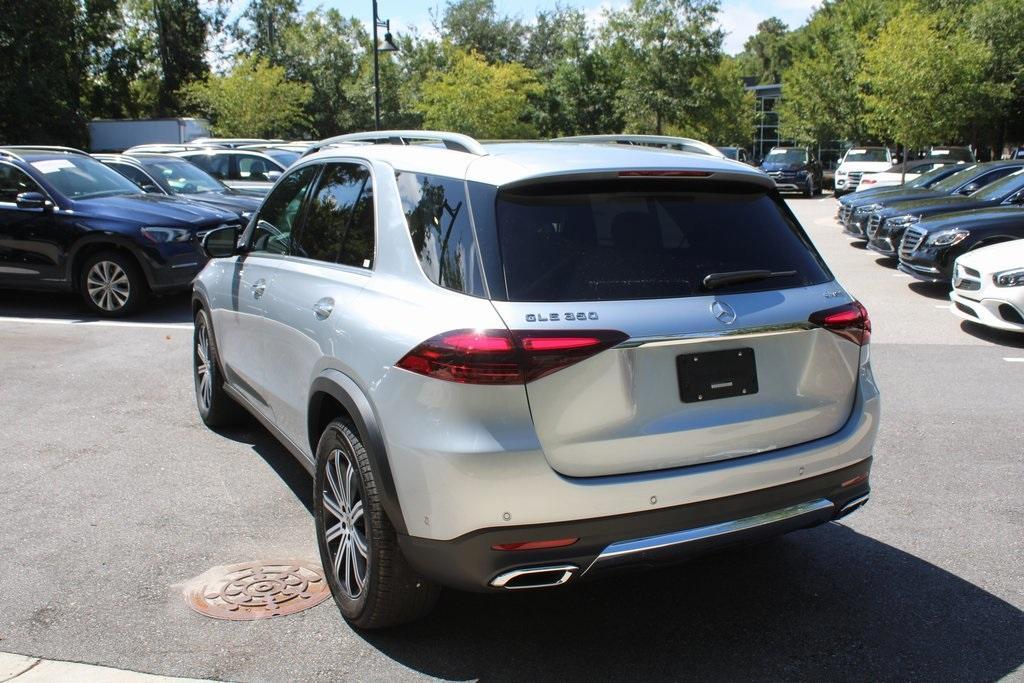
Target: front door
31,248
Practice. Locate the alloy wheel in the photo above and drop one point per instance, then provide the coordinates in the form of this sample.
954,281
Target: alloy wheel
108,285
345,524
203,379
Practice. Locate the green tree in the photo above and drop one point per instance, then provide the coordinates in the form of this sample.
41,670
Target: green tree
999,24
41,73
181,44
253,99
921,82
262,25
665,48
821,97
479,99
729,117
766,54
476,26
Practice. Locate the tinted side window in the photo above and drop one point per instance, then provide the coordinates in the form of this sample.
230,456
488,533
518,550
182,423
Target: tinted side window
334,217
14,181
279,213
133,174
217,165
438,218
996,175
255,168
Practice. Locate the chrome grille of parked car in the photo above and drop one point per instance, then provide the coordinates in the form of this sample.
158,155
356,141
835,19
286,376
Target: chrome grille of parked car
912,239
854,178
844,214
874,223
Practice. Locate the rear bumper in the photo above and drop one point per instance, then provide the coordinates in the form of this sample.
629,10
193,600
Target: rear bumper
627,542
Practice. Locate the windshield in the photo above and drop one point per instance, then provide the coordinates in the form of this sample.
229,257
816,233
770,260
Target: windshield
181,177
870,154
1001,188
612,241
786,156
956,180
82,177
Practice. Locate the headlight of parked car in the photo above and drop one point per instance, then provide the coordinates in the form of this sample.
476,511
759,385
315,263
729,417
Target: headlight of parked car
904,220
161,235
1009,278
947,238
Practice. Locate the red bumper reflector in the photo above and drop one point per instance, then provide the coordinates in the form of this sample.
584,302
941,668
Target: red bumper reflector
535,545
859,479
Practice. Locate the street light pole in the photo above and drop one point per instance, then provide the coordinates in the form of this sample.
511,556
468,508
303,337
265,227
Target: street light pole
389,46
376,71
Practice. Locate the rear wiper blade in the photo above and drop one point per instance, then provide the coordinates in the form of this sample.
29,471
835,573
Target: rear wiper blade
713,280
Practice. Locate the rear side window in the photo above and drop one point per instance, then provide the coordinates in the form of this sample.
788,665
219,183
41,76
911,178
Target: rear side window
438,217
13,182
217,165
255,168
613,241
339,225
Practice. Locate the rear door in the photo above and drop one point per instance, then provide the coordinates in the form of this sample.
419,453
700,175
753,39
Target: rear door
708,372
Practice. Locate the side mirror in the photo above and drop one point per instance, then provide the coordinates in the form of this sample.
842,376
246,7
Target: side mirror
970,188
221,243
150,188
33,200
273,175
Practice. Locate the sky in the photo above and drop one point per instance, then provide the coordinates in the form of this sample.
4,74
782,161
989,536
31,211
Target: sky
739,18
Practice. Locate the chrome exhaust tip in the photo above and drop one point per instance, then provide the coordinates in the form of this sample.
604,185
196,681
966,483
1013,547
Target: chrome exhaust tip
535,577
854,504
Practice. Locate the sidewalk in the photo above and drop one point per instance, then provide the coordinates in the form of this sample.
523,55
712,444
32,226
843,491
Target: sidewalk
24,669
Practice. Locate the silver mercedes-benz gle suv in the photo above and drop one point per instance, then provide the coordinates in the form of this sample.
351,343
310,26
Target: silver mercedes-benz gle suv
521,365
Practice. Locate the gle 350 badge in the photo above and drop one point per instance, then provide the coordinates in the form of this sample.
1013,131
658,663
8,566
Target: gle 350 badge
555,317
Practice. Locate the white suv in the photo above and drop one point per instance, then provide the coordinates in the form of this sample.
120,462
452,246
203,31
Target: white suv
856,162
522,365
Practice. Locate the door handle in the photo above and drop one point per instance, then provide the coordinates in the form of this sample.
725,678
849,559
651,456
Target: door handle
258,288
322,309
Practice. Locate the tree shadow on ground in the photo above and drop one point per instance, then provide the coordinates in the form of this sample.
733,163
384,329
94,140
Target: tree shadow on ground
992,335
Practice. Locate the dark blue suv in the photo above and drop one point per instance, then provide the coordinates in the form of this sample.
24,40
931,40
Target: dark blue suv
67,222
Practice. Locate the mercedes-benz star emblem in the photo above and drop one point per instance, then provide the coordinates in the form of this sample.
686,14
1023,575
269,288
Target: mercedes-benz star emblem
723,312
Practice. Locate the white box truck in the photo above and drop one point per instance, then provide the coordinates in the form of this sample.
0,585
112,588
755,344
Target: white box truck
116,135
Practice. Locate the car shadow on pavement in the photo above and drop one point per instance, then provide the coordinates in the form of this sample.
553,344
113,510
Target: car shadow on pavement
992,335
827,603
284,464
938,291
887,261
67,306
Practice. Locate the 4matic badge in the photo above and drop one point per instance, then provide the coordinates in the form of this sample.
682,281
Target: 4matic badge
555,317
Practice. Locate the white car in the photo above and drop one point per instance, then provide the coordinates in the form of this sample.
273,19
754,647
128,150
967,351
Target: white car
893,176
988,286
856,162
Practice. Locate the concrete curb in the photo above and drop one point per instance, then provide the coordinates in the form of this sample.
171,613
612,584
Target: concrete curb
24,669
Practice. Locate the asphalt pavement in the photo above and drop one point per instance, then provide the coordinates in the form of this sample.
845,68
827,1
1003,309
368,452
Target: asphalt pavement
113,495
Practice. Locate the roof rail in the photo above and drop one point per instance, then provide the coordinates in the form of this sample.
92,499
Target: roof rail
48,148
453,141
10,155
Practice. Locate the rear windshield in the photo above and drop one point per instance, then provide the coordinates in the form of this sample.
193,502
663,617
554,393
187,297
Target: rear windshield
602,242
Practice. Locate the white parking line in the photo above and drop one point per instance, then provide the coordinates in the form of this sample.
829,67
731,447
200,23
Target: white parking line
1014,360
92,323
941,305
900,275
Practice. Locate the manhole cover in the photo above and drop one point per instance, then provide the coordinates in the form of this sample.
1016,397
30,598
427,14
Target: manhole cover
257,590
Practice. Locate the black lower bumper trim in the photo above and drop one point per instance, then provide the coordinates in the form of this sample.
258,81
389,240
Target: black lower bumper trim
469,563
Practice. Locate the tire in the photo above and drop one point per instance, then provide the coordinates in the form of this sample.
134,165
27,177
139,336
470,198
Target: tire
809,190
216,408
371,581
820,189
112,284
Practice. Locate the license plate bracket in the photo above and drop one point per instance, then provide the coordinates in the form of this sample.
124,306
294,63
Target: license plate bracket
716,374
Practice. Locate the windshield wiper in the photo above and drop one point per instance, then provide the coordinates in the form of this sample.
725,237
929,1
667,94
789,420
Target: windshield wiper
714,280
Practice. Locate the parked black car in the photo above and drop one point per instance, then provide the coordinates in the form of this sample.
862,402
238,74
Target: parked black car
854,213
67,222
886,226
929,248
735,153
165,174
794,169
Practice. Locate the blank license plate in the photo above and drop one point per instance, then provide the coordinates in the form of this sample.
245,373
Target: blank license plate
716,374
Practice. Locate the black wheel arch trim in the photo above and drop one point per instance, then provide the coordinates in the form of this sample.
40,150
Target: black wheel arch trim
112,240
345,391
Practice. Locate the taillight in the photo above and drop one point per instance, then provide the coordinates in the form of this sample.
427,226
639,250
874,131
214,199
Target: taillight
850,322
535,545
503,357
